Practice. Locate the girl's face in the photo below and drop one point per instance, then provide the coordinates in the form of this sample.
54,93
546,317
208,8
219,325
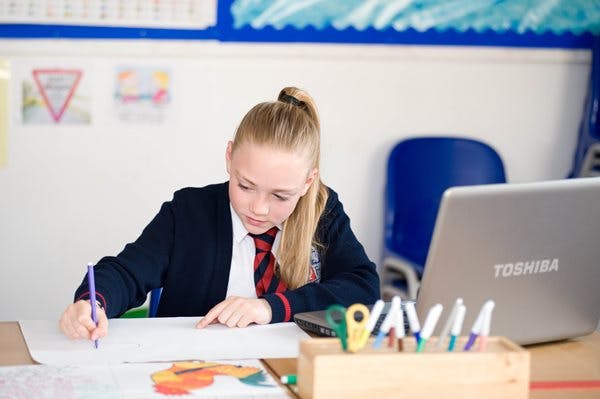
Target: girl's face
265,184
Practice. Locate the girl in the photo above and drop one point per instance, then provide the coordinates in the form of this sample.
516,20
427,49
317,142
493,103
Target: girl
271,242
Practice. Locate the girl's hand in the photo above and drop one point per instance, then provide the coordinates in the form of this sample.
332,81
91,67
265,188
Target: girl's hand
76,321
238,312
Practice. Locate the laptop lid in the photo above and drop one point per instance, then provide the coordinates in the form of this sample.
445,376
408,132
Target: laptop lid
534,248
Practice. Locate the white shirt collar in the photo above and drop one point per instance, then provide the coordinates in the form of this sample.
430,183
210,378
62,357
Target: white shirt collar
239,231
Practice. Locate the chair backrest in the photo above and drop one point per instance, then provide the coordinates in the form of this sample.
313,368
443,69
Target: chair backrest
154,301
586,161
419,171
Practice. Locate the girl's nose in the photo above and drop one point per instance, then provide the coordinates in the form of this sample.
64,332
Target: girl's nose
260,205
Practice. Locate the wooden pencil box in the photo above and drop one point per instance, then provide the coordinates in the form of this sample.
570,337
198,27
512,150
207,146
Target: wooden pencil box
327,372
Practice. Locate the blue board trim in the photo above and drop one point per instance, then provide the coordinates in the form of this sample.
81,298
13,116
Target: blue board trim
410,37
36,31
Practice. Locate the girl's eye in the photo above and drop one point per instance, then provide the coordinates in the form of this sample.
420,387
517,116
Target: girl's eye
244,188
280,197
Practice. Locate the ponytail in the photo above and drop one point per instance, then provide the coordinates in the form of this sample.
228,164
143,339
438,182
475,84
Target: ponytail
292,124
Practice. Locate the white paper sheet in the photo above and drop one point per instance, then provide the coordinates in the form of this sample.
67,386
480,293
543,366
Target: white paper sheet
161,339
220,379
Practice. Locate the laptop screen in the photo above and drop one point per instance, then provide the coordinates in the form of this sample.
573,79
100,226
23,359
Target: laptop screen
533,248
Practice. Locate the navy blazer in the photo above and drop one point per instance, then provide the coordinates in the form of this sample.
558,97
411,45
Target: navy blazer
186,249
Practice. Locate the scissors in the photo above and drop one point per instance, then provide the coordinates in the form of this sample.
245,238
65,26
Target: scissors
338,326
356,329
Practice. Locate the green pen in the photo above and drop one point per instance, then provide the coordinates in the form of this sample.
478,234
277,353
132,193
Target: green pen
456,326
432,318
289,379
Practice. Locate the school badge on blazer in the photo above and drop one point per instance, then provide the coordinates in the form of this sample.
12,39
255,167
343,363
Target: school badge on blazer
314,274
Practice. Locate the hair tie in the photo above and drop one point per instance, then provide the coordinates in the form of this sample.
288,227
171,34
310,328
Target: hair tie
286,98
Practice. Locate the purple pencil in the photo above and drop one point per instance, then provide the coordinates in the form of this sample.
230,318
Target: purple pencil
92,286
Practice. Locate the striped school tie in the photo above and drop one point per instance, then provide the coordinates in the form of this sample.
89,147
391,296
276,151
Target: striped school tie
265,280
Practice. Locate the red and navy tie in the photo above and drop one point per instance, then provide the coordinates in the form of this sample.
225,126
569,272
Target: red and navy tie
265,280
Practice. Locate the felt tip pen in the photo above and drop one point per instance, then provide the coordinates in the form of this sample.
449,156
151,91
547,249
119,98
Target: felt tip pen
413,320
375,313
387,322
92,287
393,334
430,321
399,328
485,325
459,317
476,329
289,379
448,324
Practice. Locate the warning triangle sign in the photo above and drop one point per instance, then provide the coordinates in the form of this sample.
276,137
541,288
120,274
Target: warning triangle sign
57,87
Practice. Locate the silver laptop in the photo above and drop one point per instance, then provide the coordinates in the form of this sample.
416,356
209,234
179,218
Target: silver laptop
533,248
316,323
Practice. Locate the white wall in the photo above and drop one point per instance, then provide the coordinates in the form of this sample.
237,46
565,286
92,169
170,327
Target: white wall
72,194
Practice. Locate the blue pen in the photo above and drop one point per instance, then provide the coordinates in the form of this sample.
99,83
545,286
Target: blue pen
92,286
387,322
373,317
413,321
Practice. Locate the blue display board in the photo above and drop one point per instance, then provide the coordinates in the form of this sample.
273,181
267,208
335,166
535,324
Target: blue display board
513,23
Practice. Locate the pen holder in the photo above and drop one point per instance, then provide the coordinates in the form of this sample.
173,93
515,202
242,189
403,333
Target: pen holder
327,372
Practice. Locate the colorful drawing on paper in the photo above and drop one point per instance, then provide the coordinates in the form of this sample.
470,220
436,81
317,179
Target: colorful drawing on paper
68,382
55,96
142,95
184,377
191,379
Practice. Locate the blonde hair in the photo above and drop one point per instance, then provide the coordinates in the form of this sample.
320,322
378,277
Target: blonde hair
291,124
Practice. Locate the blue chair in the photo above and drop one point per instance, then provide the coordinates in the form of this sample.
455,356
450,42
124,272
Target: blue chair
419,170
154,300
586,162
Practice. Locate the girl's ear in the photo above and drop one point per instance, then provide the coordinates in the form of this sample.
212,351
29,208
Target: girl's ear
228,156
309,180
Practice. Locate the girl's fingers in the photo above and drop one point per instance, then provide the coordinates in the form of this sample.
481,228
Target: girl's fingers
238,312
76,322
102,330
211,315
